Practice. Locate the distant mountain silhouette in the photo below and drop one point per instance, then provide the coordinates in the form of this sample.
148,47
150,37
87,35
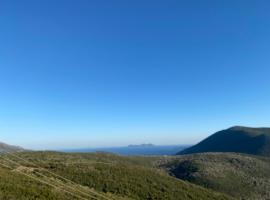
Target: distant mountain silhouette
9,148
141,145
236,139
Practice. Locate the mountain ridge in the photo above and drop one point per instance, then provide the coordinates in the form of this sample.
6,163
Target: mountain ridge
6,147
238,139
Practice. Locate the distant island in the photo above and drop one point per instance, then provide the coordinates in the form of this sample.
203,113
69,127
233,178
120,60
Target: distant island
141,149
141,145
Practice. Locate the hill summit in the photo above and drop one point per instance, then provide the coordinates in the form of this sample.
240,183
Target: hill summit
237,139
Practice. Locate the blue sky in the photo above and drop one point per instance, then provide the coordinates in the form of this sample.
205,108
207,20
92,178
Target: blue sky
111,73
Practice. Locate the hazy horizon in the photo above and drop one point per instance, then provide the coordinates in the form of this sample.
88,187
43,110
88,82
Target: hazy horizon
103,74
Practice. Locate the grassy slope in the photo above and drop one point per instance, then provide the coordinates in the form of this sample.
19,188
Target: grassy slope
123,176
242,176
17,186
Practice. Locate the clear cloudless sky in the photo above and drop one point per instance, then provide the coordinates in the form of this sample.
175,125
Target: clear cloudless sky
79,73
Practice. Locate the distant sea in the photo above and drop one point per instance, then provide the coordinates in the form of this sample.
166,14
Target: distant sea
132,150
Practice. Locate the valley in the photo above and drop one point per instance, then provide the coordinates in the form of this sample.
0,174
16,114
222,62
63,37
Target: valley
206,171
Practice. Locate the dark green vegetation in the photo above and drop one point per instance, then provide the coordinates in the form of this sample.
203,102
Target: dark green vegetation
242,176
14,185
105,176
29,182
238,139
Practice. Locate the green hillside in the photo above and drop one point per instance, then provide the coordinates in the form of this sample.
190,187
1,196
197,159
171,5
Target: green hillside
16,185
236,139
242,176
104,176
